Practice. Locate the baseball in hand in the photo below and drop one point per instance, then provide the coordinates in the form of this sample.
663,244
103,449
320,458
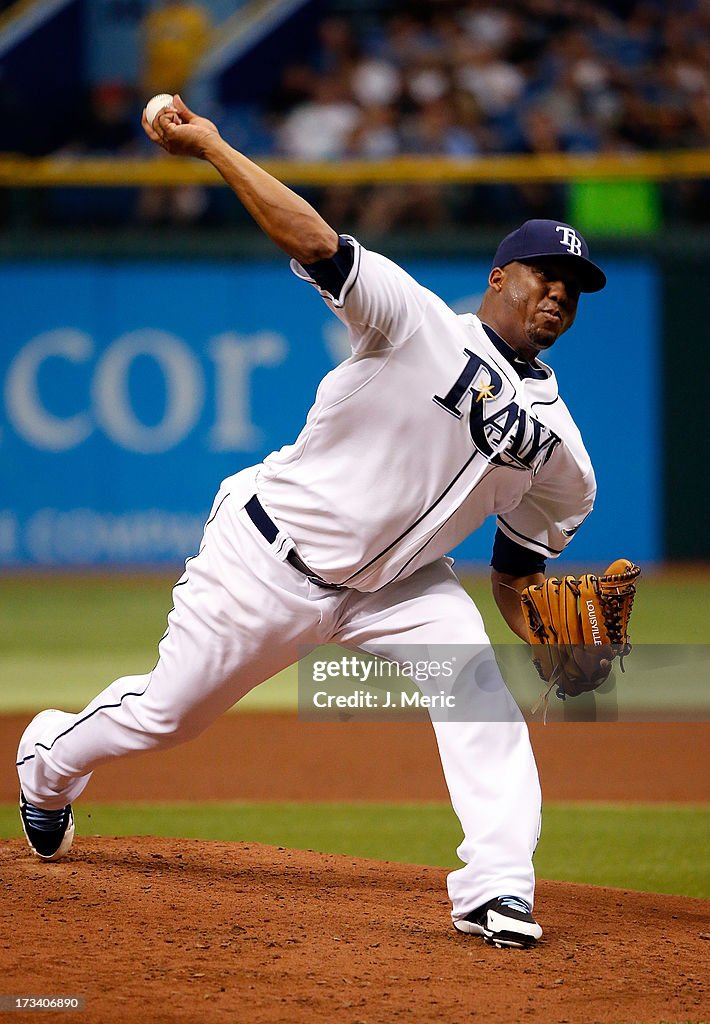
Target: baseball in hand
154,106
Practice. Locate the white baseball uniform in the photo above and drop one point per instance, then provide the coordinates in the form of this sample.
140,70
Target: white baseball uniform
428,428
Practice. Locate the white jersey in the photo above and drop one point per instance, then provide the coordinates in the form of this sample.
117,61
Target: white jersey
421,434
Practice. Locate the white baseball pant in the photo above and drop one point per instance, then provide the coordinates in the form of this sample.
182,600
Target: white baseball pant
240,615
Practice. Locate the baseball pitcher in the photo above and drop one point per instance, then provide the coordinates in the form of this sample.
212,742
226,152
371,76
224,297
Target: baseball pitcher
433,423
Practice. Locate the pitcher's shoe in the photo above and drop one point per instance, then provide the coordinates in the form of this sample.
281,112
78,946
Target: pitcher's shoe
504,921
50,834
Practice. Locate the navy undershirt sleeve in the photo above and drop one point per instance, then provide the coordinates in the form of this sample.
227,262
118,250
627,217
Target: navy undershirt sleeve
513,559
332,273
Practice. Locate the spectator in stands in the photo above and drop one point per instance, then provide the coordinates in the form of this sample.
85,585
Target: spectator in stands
426,80
405,40
496,85
338,48
376,135
296,86
319,129
375,83
174,35
108,125
433,130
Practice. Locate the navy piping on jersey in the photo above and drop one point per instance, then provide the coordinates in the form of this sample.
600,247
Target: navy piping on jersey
552,551
508,556
416,521
180,583
214,515
521,366
333,272
185,578
358,255
434,534
131,693
71,728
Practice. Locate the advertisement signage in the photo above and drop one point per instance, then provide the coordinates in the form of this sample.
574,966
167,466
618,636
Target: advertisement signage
130,390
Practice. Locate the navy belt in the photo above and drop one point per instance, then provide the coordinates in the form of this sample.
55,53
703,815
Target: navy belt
270,531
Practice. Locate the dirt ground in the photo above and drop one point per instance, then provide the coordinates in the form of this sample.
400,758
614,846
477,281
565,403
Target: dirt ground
180,930
279,757
157,930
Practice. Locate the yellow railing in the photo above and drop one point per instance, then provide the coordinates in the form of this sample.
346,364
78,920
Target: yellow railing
23,172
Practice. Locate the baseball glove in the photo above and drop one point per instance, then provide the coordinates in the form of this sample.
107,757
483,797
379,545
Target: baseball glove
577,626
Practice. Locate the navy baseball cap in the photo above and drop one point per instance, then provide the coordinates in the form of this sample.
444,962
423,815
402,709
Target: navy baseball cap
537,238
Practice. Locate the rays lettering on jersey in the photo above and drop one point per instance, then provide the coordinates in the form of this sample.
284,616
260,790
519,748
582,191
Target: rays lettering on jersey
530,443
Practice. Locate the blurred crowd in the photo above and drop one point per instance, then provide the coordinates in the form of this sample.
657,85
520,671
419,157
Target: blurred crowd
457,79
462,79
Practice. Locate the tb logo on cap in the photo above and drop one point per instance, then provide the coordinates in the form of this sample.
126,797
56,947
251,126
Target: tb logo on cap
571,240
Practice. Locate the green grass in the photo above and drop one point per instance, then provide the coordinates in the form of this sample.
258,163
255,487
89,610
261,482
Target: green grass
62,639
648,847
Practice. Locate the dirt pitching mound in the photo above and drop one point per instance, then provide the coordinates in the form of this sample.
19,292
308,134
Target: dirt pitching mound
182,930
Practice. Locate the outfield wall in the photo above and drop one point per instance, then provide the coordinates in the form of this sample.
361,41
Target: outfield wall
130,389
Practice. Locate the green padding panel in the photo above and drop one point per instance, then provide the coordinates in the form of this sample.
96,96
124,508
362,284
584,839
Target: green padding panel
615,207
